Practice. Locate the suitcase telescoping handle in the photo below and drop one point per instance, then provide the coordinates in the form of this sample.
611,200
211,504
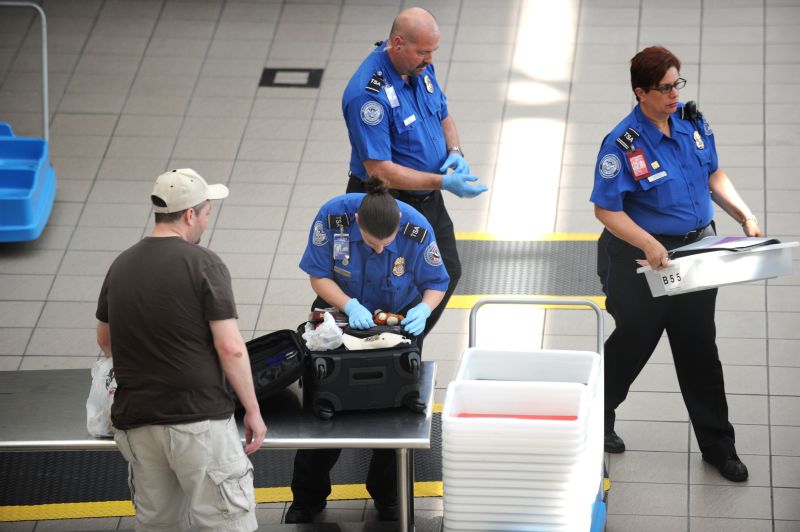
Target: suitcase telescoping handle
575,302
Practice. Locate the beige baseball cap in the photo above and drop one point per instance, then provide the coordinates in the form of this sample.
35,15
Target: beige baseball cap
180,189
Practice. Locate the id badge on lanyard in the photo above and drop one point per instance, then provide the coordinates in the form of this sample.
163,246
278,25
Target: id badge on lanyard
638,164
341,246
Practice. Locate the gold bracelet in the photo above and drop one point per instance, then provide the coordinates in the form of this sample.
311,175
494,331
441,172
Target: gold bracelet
750,219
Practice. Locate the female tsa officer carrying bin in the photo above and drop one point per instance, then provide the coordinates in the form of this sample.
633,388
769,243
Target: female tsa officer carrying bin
656,177
367,252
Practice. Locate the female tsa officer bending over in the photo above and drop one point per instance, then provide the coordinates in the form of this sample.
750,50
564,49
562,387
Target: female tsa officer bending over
365,252
656,176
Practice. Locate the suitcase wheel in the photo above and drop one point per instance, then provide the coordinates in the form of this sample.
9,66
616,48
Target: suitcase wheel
414,402
320,368
411,363
323,409
414,365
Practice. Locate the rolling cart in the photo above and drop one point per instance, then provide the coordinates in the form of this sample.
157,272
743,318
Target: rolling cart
522,435
27,179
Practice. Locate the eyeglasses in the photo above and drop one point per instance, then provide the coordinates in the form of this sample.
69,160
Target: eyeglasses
666,88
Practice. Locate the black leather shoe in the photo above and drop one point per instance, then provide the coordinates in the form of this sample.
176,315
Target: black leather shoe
298,513
729,467
387,511
613,443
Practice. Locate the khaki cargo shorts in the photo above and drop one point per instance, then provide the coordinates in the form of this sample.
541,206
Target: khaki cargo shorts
193,475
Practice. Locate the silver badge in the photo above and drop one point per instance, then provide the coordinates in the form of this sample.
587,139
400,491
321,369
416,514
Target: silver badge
428,84
698,140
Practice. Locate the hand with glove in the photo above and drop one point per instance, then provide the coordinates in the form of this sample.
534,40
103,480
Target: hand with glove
416,318
457,162
459,185
358,316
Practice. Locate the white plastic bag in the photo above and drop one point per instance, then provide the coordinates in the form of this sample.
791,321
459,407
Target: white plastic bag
325,337
101,395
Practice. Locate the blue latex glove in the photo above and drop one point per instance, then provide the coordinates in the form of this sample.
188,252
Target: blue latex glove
416,318
359,316
457,162
459,185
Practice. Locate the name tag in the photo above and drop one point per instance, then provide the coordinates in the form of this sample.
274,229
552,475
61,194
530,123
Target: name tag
656,177
672,278
341,271
410,120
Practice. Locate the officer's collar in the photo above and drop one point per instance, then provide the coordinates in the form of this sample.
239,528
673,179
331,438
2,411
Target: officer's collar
393,76
648,129
355,236
390,73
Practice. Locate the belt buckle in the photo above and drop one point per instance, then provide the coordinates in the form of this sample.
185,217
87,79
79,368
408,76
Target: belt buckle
691,236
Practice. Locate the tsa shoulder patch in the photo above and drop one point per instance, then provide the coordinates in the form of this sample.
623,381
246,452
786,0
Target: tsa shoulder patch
415,232
609,166
371,113
320,238
375,83
338,221
432,255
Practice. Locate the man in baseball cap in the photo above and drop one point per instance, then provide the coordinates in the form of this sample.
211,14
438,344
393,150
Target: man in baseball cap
167,308
180,189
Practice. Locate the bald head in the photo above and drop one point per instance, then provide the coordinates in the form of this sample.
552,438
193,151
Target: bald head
413,40
414,23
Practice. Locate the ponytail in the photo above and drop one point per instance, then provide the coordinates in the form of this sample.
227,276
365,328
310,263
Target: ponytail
378,214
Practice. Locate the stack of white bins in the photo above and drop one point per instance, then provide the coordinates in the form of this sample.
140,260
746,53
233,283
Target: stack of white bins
522,441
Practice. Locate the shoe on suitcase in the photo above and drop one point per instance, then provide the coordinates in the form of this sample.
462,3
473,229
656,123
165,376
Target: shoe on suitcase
301,513
729,466
387,511
613,443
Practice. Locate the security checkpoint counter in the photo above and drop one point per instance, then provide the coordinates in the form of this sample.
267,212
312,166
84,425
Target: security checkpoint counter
45,410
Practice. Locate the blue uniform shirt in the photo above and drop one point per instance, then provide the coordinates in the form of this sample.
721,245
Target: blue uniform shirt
389,119
390,280
675,198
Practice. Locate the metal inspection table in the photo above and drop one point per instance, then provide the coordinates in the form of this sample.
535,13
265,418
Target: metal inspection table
45,410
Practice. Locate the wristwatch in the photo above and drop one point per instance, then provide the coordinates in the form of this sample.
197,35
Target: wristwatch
456,149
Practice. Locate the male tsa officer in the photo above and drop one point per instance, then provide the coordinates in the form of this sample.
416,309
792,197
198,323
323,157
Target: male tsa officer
400,130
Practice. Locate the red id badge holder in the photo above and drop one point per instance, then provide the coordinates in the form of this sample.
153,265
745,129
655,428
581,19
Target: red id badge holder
638,164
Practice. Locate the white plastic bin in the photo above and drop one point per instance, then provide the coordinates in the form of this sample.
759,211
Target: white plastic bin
546,365
537,403
719,268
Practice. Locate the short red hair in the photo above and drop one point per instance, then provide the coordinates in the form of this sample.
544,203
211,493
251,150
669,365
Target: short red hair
649,66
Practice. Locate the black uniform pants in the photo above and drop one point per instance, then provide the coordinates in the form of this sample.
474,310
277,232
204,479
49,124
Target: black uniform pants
432,207
641,319
311,480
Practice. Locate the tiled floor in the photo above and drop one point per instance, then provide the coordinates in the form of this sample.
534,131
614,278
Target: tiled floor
138,86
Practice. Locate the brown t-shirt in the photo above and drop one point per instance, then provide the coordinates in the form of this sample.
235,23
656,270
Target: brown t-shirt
158,298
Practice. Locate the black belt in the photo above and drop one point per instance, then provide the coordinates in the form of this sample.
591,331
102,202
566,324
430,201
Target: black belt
691,236
408,197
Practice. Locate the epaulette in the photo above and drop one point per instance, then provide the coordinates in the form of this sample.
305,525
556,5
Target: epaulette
626,139
338,221
415,232
375,82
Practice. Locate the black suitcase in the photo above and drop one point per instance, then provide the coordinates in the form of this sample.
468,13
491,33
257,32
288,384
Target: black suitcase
341,380
277,360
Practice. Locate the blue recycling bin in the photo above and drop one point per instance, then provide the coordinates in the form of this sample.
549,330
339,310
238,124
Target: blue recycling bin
27,186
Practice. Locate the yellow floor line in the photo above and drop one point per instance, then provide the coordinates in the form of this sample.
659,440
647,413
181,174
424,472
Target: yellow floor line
77,510
467,301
